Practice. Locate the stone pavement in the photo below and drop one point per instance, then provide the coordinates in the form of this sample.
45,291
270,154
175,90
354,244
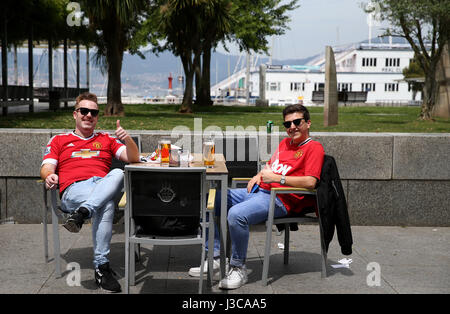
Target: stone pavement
410,259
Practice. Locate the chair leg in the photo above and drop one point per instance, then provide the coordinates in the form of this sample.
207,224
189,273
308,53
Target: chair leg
210,256
267,254
202,264
56,246
286,244
323,253
45,222
127,267
131,264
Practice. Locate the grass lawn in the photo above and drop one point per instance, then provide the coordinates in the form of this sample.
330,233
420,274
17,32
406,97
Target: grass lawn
166,117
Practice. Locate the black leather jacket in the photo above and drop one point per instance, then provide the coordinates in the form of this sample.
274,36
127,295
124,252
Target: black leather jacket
333,206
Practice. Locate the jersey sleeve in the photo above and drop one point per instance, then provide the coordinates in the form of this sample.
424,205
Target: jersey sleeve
117,147
51,153
313,165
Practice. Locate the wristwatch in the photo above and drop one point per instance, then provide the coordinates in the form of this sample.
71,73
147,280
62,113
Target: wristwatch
283,179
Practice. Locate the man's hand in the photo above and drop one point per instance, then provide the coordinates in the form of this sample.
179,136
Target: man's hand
256,179
51,181
267,175
121,134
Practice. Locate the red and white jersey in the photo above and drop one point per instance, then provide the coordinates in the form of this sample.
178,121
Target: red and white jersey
304,159
77,158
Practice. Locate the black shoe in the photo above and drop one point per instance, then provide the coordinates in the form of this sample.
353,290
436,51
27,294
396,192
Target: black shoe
76,220
104,277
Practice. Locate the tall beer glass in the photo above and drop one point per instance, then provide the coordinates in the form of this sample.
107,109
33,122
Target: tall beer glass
164,152
208,153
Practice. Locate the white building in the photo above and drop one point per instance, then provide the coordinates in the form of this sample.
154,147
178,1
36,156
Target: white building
375,69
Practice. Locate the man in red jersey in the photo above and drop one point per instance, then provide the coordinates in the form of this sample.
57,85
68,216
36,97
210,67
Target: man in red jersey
79,162
297,162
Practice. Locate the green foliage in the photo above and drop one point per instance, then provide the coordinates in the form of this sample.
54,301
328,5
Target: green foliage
413,70
46,19
256,20
425,24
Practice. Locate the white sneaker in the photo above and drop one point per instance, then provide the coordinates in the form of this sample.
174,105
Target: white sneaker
236,277
195,271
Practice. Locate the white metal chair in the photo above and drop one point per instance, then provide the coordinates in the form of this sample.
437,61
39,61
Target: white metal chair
166,192
56,215
286,221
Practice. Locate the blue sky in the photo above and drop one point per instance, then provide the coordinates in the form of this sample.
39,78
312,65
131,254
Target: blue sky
318,23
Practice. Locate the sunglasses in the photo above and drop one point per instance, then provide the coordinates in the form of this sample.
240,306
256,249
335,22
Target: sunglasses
287,124
85,111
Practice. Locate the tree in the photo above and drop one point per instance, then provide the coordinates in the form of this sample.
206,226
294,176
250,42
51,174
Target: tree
414,75
115,23
191,29
184,27
249,25
425,25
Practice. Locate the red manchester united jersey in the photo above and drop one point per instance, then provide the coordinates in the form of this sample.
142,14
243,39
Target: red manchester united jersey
305,159
77,158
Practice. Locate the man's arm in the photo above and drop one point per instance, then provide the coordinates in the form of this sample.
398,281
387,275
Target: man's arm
131,153
49,176
306,182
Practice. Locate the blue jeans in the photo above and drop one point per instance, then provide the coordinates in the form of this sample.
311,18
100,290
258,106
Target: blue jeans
97,195
244,209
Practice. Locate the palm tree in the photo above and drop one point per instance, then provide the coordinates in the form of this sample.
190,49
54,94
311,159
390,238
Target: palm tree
115,23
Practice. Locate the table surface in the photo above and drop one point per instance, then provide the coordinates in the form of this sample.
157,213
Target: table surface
219,165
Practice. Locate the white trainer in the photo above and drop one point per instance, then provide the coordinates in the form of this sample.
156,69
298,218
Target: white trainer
236,277
195,271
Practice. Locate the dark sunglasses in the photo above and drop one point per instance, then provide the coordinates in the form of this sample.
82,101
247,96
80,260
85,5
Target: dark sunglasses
85,111
287,124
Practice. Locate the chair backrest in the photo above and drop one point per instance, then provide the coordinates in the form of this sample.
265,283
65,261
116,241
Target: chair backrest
166,201
241,154
116,163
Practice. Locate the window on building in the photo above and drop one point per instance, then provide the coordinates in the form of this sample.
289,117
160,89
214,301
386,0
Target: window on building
369,62
319,87
392,62
297,86
391,87
345,86
367,87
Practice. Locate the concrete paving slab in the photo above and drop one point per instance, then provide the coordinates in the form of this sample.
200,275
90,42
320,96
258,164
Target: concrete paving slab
411,260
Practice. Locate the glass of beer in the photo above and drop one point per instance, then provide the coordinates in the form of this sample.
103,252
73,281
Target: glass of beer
208,153
164,152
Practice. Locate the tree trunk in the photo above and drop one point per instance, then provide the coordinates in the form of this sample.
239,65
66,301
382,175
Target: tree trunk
114,106
114,56
204,91
186,105
430,92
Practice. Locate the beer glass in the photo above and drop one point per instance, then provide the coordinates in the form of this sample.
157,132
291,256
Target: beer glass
164,152
208,153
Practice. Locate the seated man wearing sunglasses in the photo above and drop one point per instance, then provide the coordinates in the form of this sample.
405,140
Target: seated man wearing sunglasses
79,162
297,162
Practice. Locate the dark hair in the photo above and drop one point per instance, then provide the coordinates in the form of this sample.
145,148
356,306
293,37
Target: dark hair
85,96
296,108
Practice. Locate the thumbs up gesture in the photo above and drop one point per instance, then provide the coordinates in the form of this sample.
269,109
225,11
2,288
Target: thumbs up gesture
121,134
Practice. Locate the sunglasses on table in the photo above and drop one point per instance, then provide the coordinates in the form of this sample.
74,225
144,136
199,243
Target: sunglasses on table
287,124
85,111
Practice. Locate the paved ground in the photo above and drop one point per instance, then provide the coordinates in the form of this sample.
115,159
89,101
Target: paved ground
410,260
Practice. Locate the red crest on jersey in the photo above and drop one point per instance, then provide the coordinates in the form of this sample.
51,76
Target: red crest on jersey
298,154
97,145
